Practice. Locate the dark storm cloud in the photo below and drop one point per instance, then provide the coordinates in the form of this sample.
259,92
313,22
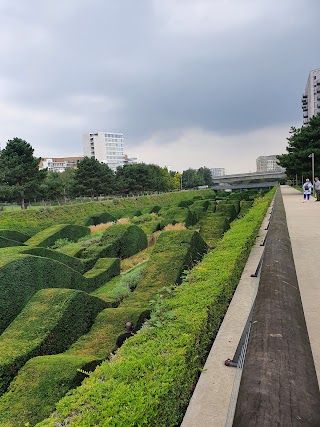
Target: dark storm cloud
142,67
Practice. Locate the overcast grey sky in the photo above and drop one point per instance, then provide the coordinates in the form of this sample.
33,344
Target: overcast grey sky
190,83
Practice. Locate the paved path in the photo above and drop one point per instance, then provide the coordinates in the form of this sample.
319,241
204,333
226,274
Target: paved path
303,221
210,401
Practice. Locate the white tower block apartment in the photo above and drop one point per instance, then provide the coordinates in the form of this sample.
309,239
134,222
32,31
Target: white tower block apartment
311,96
107,147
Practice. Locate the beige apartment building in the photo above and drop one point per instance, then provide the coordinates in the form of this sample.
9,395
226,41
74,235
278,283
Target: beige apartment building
59,164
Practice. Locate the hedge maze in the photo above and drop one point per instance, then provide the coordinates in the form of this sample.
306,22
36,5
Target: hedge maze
64,303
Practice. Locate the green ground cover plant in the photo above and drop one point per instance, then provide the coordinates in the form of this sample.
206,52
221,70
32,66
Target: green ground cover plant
32,221
150,381
51,321
50,235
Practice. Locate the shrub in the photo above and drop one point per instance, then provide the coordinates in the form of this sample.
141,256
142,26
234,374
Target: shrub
227,210
185,203
212,227
174,215
245,207
100,218
50,235
151,380
51,321
14,235
103,270
6,243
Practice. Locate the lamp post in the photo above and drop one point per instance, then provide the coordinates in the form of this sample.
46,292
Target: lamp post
312,159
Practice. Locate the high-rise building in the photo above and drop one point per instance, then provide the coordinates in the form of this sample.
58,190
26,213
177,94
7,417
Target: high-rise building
217,172
107,147
268,164
311,97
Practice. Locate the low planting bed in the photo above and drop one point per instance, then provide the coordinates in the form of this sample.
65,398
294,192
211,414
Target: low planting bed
150,381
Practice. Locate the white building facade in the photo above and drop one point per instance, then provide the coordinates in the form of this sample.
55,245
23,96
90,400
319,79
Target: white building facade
217,172
311,97
268,164
107,147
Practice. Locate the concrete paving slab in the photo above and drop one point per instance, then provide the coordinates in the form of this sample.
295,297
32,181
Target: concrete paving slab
210,401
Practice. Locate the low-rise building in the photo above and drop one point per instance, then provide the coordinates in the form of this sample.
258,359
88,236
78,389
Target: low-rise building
59,164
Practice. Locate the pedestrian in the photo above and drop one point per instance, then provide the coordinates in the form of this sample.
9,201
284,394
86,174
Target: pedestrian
307,186
317,188
121,338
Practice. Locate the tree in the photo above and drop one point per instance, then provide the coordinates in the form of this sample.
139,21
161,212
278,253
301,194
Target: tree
191,178
205,174
301,143
20,177
52,186
93,178
140,177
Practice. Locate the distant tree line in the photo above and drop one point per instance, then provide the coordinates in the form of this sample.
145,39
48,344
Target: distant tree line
22,181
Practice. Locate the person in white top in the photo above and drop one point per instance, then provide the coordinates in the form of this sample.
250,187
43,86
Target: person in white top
317,188
307,187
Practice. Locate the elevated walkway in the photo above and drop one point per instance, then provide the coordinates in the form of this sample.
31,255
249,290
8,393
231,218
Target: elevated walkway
215,392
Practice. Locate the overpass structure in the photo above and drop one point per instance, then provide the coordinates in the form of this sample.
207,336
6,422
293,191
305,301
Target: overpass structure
249,176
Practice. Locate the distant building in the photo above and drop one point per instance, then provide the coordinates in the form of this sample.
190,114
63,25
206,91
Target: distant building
311,97
268,164
59,164
217,172
107,147
129,160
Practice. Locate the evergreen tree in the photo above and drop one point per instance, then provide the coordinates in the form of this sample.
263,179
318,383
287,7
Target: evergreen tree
93,178
20,177
301,143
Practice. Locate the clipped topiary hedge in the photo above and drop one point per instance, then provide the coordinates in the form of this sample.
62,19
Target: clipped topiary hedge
103,270
227,209
151,380
99,219
51,321
245,205
6,243
177,215
50,235
14,235
212,227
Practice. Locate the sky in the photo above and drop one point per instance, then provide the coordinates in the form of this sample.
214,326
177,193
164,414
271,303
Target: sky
190,83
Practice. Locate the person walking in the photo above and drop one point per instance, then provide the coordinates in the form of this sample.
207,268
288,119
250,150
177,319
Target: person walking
307,187
317,188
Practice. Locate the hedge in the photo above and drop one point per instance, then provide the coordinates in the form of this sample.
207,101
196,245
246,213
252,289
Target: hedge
235,202
177,215
227,209
22,275
50,235
174,252
245,206
6,243
51,321
32,221
212,227
150,381
99,218
14,235
44,380
103,270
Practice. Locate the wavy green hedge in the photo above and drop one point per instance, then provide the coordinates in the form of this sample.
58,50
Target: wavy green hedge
50,235
6,243
99,218
103,270
51,321
212,227
150,381
32,221
14,235
227,210
176,215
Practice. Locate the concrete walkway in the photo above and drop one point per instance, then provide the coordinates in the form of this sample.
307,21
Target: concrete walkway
303,221
209,404
215,389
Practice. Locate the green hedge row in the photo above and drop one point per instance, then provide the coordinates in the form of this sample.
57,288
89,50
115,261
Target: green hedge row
227,209
212,227
14,235
177,215
6,243
32,221
150,381
51,321
22,275
50,235
103,270
245,206
99,218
